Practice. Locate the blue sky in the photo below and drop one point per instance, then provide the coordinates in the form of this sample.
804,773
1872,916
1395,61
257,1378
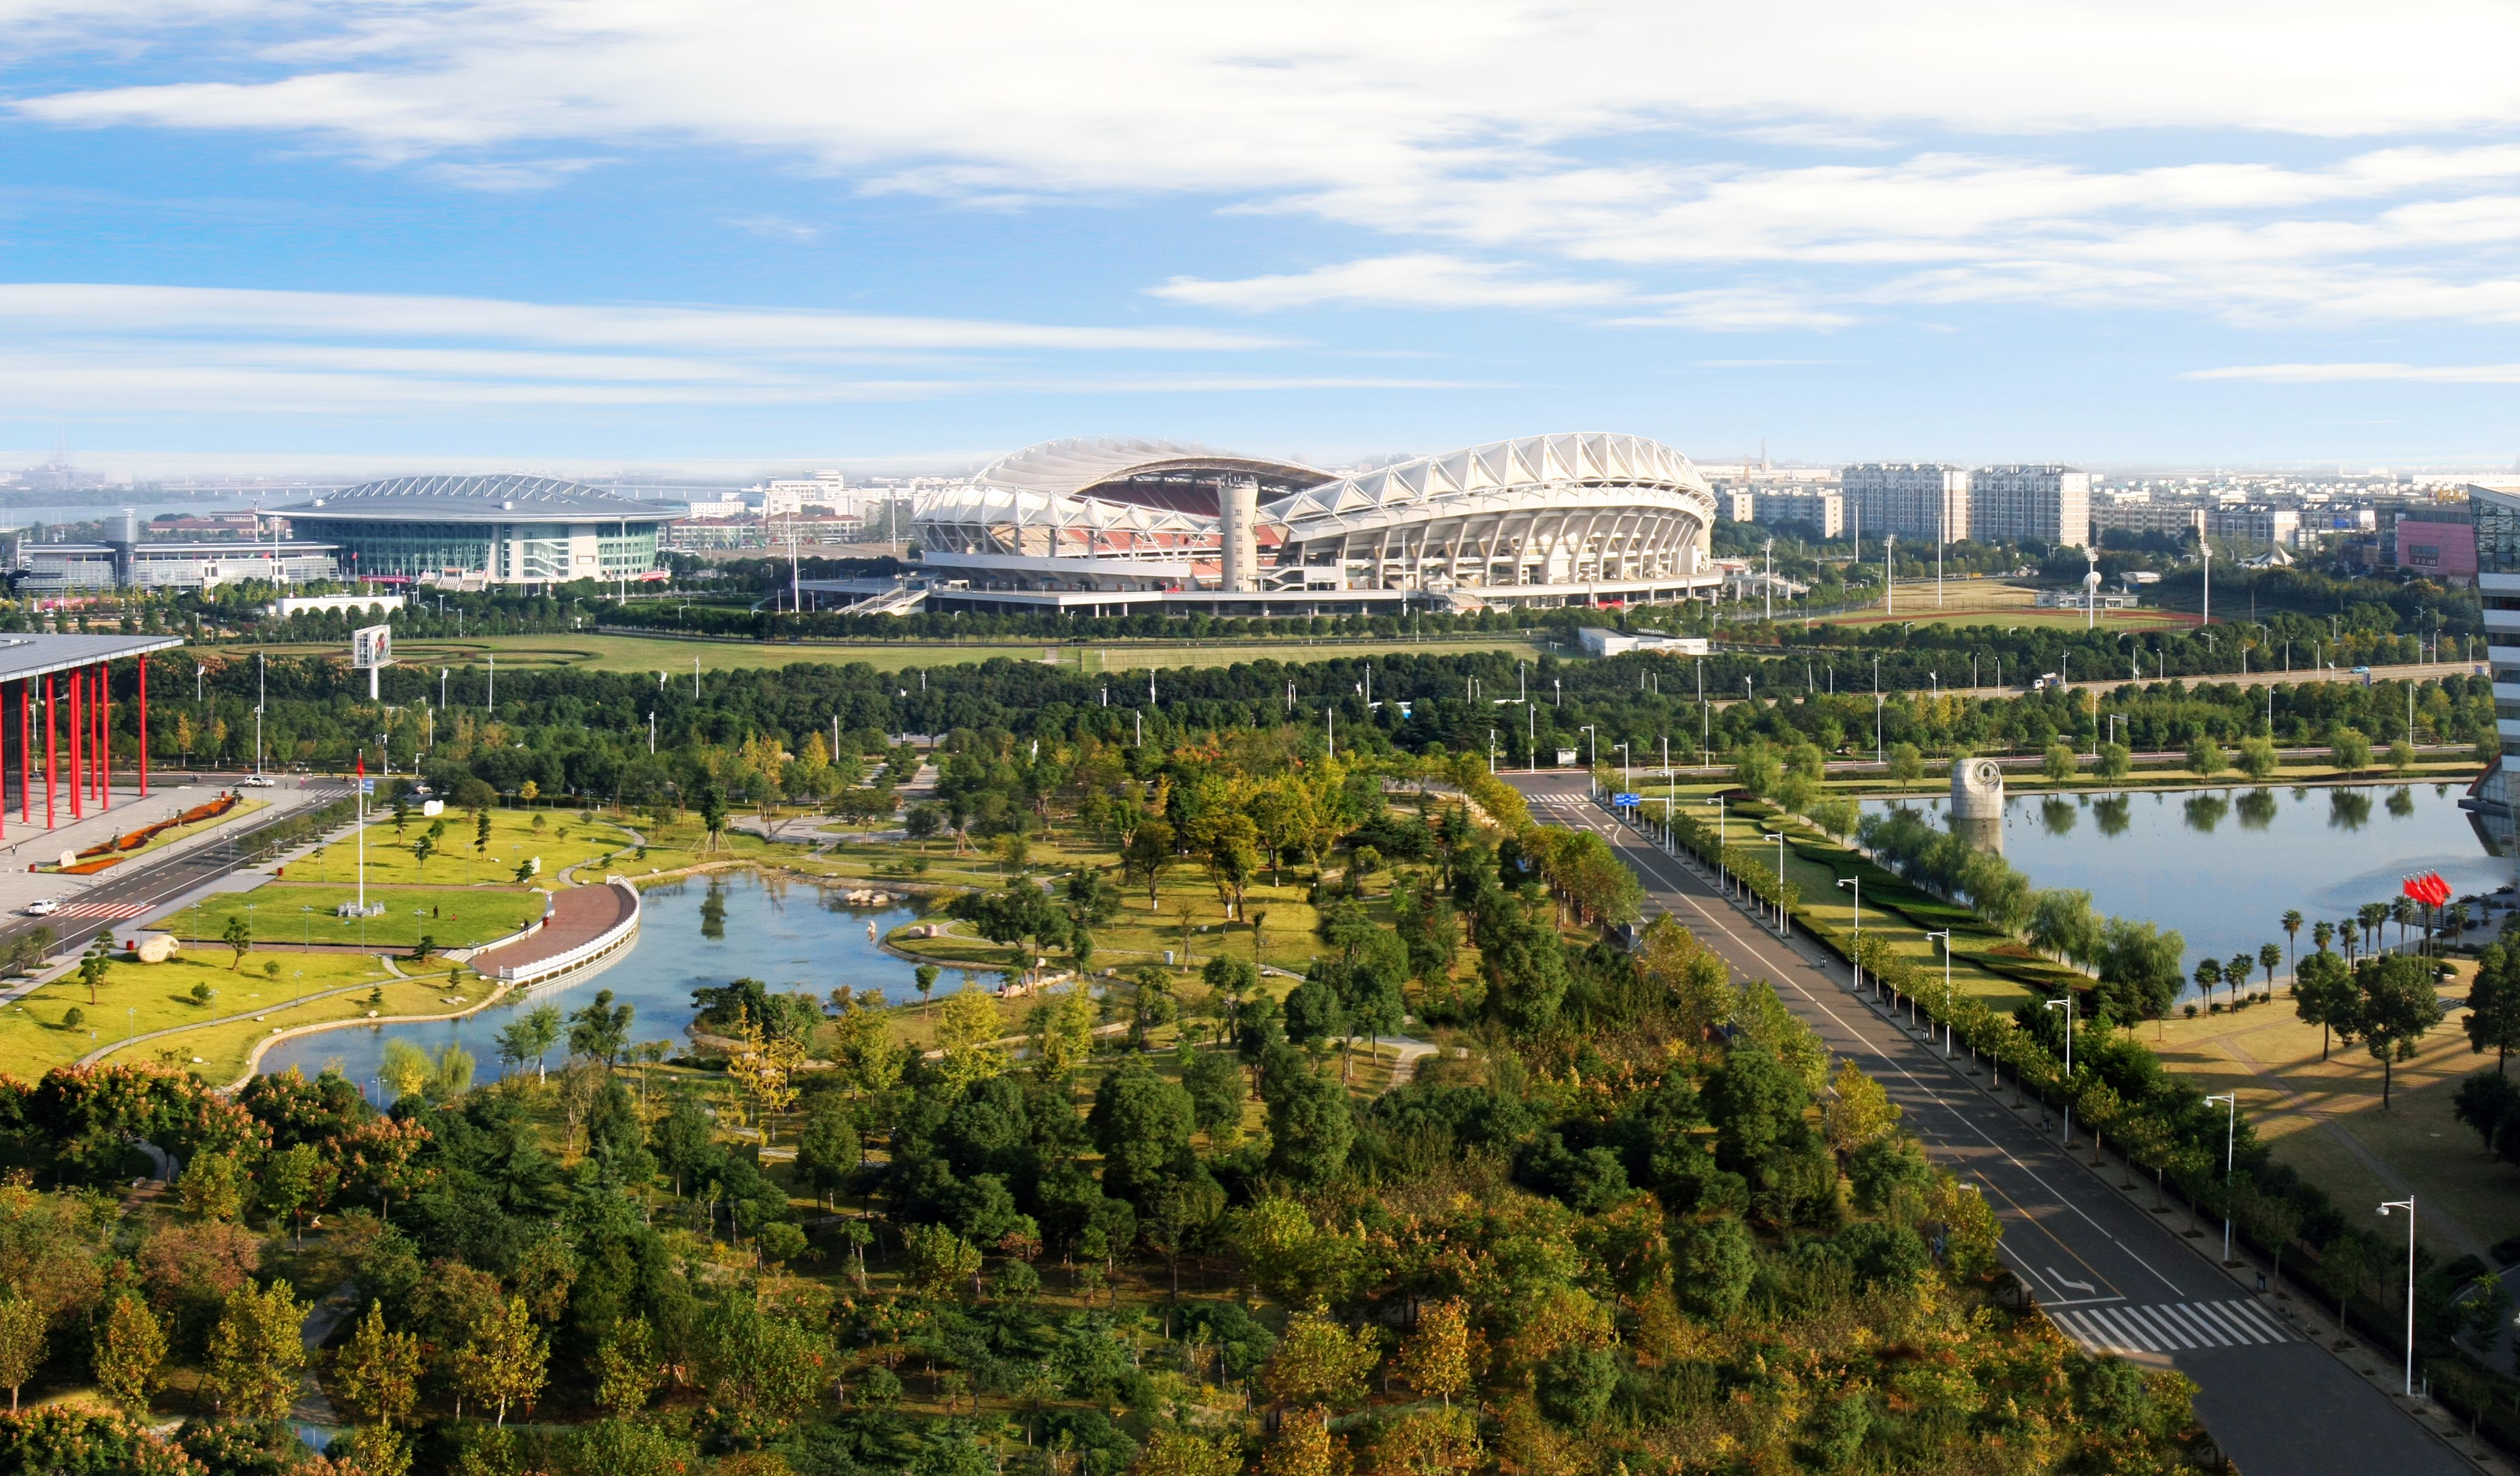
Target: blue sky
758,233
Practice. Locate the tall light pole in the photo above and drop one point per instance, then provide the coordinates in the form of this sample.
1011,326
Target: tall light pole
1591,745
1627,775
1779,837
1946,936
2408,1205
2230,1135
2067,1005
1855,910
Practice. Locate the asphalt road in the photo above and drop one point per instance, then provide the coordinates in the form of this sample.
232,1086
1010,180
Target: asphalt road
2110,1275
122,895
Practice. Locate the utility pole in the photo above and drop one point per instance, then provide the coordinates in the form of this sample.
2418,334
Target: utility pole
257,711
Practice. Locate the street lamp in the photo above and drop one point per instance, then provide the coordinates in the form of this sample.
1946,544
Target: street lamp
2230,1132
1593,745
1946,936
1854,909
2067,1005
2408,1205
1627,776
1778,836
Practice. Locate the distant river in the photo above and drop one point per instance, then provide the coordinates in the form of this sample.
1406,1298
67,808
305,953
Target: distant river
694,932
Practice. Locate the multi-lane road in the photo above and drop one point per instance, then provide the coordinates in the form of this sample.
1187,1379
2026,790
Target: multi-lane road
2113,1275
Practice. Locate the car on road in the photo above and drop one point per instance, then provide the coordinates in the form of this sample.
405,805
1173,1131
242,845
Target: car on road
2362,671
44,908
258,781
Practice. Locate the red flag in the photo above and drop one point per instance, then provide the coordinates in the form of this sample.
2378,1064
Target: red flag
2441,891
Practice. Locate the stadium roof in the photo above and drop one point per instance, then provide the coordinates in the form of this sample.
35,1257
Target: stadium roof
479,499
1073,468
34,655
1543,466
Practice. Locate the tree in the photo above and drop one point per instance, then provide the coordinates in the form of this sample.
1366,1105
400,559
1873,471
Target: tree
828,1150
256,1353
2398,1005
2259,759
131,1354
378,1370
601,1031
2269,956
1214,1080
2116,762
1321,1362
966,1033
1971,1230
94,961
940,1261
290,1184
505,1360
2292,935
2349,749
2060,764
2209,973
1310,1125
924,976
2206,757
212,1186
480,817
1141,1124
1438,1357
421,850
2324,995
1429,1443
2401,757
23,1327
240,941
1859,1112
2493,1020
1180,1453
627,1369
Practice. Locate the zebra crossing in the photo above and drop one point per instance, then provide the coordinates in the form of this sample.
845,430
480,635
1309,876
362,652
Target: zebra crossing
118,911
2169,1327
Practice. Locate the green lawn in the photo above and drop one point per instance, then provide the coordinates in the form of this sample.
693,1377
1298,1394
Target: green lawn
463,915
138,998
562,840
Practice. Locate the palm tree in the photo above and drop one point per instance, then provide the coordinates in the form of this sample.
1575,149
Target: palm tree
2374,916
2209,973
2292,933
2269,956
2402,911
2235,972
2321,934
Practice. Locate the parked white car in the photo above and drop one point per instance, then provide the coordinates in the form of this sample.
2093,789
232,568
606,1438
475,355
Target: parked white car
45,907
258,781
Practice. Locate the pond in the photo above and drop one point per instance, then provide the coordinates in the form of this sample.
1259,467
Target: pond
694,932
2223,865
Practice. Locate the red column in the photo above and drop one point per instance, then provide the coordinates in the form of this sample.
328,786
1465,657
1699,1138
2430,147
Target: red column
104,762
26,750
52,754
144,726
78,743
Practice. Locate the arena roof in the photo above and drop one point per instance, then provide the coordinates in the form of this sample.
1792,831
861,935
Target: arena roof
1540,463
1073,468
504,498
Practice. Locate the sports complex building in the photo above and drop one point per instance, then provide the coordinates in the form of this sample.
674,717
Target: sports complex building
471,532
1116,526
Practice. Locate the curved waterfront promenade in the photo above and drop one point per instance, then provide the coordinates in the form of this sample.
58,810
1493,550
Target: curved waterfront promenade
585,923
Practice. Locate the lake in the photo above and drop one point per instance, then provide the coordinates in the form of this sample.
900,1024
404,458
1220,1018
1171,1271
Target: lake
2223,865
694,932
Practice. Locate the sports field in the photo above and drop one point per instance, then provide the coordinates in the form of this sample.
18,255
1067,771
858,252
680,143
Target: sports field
605,653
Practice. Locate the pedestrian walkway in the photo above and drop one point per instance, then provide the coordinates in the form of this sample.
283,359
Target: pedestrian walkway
2169,1326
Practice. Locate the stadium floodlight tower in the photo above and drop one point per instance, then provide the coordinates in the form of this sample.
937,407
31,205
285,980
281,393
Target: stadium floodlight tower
2092,589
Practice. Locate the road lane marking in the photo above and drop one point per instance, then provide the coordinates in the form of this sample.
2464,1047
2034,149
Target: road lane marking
1619,836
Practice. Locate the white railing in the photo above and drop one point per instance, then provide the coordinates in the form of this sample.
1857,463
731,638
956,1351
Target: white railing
613,937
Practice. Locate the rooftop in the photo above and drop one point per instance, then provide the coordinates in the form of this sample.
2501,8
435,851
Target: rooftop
23,656
479,499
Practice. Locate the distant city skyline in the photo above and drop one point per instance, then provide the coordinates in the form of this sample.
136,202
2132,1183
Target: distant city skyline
568,235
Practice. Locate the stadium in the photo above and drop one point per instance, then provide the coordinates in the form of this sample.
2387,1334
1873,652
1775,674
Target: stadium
472,532
1109,525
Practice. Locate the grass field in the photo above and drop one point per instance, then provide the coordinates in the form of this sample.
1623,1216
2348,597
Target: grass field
2326,1119
144,817
607,652
563,840
134,999
286,912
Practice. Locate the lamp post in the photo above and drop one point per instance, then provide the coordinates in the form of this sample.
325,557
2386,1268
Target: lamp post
2408,1205
1492,750
1946,936
1591,745
1855,910
2230,1134
1627,774
2067,1005
1779,837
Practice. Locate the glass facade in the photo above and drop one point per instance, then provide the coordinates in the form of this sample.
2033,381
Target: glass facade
404,548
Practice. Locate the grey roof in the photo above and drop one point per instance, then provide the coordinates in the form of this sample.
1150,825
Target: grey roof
23,656
1064,468
505,498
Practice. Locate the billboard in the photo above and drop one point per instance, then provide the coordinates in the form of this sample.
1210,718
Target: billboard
371,646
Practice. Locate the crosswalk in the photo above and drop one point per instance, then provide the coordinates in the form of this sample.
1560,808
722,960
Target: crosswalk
1563,800
2169,1327
115,909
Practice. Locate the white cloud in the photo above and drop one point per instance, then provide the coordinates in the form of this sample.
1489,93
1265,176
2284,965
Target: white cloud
1417,279
1944,152
2334,374
146,350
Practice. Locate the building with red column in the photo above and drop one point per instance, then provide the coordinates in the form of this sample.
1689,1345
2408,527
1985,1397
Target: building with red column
73,723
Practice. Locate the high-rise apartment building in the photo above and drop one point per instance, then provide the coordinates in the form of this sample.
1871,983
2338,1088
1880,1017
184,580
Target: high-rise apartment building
2044,503
1914,500
2497,512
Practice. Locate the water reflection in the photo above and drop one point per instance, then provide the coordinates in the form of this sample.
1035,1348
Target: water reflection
2347,809
2205,811
2257,809
2056,814
713,911
2111,811
2402,802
